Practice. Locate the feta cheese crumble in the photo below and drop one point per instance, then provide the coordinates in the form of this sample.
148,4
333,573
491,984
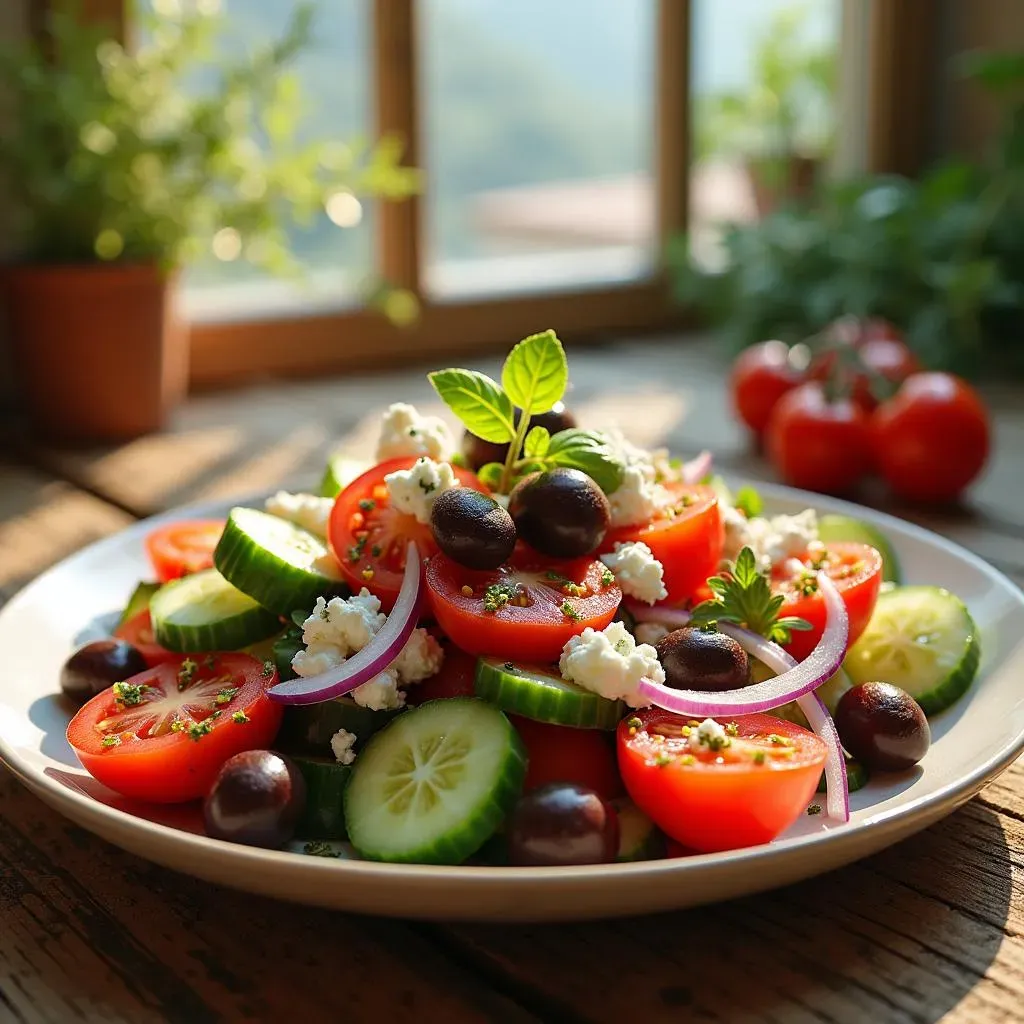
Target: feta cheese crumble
306,510
610,663
339,628
709,734
772,540
650,632
404,431
640,495
342,743
637,572
415,490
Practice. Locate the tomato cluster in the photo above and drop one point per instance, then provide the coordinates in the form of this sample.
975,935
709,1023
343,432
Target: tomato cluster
863,404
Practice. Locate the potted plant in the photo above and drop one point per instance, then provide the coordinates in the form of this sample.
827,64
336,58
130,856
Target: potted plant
122,166
779,128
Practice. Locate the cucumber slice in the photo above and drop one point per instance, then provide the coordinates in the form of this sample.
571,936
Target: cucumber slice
324,815
308,728
434,785
856,776
203,612
922,639
138,602
284,650
276,563
540,693
340,472
834,527
639,837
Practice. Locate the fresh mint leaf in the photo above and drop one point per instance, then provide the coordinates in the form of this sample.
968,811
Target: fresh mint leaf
536,373
537,442
490,474
478,401
588,452
749,502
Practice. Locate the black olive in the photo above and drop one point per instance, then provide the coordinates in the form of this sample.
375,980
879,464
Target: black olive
256,799
562,823
560,512
479,452
702,659
94,667
472,528
883,727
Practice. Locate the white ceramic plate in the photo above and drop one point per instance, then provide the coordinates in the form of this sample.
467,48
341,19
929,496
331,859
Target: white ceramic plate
973,741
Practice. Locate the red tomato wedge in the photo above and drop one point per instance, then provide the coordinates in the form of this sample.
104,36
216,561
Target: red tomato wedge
556,753
165,737
138,631
686,536
179,549
856,570
741,794
535,604
369,538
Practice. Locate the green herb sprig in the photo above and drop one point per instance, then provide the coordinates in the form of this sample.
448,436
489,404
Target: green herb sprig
744,597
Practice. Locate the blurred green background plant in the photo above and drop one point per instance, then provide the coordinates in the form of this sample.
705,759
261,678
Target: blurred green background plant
941,257
168,151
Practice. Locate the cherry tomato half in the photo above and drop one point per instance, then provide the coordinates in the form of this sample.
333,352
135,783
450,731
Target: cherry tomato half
742,794
166,737
687,537
138,631
856,570
369,538
932,439
761,375
536,604
179,549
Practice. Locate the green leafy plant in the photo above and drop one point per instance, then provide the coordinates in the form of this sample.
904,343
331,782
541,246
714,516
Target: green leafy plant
160,152
534,378
942,257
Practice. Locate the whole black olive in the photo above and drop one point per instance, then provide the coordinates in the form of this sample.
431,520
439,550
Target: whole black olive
472,528
562,823
702,659
560,512
256,799
479,452
94,667
882,726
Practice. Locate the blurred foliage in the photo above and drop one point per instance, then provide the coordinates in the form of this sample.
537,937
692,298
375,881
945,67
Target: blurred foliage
117,155
942,257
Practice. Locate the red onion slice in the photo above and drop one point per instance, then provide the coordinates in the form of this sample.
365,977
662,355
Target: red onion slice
793,681
380,652
837,787
697,468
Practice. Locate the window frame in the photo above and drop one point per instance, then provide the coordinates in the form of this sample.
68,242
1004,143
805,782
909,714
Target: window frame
225,352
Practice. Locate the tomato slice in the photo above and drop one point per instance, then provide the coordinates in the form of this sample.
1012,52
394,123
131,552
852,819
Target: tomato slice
540,604
369,538
138,631
165,739
742,794
179,549
557,753
686,536
455,679
856,570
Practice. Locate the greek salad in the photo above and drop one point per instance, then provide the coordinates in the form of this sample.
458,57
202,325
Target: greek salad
541,645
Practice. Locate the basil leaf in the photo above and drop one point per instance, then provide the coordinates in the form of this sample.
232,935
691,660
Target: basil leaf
590,453
536,444
478,401
536,373
490,474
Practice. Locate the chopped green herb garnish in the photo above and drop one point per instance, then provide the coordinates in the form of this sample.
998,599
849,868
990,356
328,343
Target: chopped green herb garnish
634,722
607,578
240,718
807,584
129,694
318,848
225,695
569,612
759,757
779,741
111,741
427,486
663,759
210,662
687,759
814,809
376,551
749,502
732,729
197,730
497,595
367,504
509,666
355,552
269,668
744,596
186,673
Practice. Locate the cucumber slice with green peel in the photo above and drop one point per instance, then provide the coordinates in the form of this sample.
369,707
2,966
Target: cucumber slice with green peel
856,776
204,612
308,728
340,472
639,837
435,784
921,639
324,814
138,602
540,693
275,562
284,650
833,527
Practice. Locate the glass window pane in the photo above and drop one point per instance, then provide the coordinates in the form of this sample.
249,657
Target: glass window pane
764,76
334,76
538,143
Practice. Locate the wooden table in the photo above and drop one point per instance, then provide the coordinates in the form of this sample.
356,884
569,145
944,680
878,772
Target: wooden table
932,929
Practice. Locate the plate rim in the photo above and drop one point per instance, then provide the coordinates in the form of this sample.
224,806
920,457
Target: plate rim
904,818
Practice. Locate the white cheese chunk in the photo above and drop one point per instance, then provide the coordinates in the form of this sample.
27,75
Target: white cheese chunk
610,663
637,572
415,490
404,431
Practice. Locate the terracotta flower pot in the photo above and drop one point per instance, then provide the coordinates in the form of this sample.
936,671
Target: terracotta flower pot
99,351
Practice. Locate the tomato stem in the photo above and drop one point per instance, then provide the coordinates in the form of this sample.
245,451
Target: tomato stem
513,453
